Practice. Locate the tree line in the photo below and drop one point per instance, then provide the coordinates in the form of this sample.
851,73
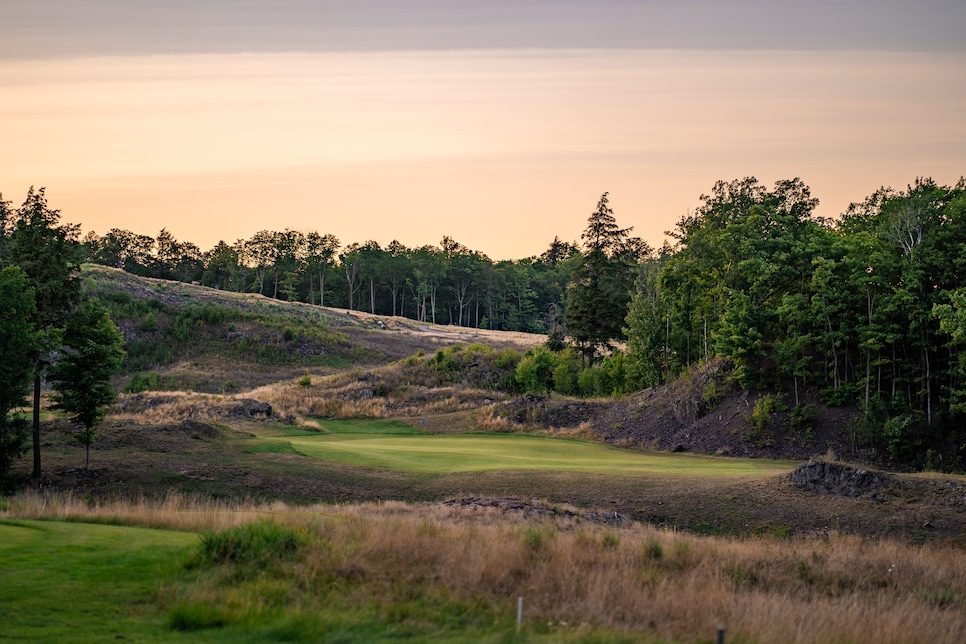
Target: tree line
868,309
447,283
48,329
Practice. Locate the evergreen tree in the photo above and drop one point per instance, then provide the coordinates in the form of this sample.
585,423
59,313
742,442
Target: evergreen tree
92,353
49,255
18,346
599,294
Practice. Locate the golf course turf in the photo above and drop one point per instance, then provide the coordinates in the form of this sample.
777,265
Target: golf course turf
394,446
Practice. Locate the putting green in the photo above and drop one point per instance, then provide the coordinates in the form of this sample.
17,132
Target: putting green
483,452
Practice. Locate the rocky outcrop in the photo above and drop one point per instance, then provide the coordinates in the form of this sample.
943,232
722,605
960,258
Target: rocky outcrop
537,510
250,408
841,480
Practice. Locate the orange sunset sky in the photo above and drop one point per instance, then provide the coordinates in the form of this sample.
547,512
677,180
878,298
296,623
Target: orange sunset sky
497,123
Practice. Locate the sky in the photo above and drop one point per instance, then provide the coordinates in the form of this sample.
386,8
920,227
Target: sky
498,123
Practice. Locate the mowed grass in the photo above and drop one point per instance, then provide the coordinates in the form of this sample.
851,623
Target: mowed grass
70,582
396,446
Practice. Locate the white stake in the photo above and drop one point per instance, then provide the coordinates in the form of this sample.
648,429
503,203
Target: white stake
519,612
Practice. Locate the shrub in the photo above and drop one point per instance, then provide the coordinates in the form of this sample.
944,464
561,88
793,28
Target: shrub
196,616
255,543
802,420
534,373
587,382
149,381
900,435
149,323
653,549
566,371
760,417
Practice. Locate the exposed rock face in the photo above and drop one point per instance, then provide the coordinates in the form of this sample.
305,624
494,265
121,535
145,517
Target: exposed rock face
840,480
251,408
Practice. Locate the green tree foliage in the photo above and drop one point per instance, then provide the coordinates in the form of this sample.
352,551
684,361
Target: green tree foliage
648,328
18,346
49,254
952,322
319,253
535,371
598,295
92,353
863,310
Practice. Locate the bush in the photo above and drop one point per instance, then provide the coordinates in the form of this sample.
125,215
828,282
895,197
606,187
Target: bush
802,420
653,549
587,382
900,435
149,381
534,373
196,616
760,417
149,323
566,371
254,543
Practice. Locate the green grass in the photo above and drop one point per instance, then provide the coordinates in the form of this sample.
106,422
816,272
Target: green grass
77,582
485,452
367,426
68,582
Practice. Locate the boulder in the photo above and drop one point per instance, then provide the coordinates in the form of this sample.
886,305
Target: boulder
841,480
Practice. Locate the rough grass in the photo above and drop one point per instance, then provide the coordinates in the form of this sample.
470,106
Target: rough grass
392,570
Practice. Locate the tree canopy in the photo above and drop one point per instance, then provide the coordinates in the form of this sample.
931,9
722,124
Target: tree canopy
92,352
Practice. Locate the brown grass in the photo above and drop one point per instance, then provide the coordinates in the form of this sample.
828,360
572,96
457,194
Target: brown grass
489,420
380,393
157,408
634,579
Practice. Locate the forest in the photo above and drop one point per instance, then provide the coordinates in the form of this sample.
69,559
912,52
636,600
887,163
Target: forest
866,310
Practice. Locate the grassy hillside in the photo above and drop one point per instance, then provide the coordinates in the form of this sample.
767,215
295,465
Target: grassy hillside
189,337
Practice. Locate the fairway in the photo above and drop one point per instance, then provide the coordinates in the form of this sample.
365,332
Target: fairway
485,452
71,582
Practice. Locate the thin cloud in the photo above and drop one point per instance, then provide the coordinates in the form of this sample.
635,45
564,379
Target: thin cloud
77,28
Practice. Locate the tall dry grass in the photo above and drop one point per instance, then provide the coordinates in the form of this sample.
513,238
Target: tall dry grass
631,579
174,407
370,394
